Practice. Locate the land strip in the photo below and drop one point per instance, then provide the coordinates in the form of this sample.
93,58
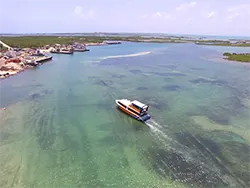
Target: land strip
241,57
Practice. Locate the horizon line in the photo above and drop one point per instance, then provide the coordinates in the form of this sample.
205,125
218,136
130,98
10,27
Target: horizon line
103,32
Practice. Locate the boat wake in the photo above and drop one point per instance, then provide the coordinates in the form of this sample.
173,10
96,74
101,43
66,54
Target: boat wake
128,55
153,125
196,154
158,131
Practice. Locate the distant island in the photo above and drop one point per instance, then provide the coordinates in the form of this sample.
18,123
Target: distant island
241,57
241,43
40,41
18,53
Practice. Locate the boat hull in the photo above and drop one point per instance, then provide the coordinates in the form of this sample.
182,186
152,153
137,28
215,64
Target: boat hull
81,50
143,118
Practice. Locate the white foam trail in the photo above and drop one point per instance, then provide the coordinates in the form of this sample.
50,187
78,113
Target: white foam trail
157,124
156,129
165,140
152,127
128,55
153,123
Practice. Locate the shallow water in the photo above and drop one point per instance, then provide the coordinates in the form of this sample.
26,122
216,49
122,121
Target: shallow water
61,127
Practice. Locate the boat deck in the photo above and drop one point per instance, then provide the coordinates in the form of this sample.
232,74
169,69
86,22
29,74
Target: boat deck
125,102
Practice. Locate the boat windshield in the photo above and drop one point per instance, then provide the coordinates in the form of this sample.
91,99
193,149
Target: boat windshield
145,108
137,106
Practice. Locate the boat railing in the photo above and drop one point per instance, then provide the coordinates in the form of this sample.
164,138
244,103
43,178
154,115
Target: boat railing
121,104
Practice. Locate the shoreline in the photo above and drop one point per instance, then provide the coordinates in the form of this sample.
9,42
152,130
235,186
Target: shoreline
32,57
92,40
15,60
237,57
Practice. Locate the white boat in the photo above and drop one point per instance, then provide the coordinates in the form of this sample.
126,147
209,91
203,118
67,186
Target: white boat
134,108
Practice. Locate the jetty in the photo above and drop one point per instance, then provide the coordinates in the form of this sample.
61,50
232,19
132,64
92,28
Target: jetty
43,59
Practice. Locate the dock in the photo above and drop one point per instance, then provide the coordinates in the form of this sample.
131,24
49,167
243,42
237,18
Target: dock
43,59
61,52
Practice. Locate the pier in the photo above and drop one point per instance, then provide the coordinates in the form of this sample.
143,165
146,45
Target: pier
43,59
62,51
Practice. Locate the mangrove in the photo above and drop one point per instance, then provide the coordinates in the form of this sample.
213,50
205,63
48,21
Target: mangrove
241,57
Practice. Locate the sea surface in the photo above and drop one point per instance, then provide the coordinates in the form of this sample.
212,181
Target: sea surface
61,127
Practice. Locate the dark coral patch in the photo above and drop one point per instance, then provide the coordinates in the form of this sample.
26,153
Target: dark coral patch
167,74
172,87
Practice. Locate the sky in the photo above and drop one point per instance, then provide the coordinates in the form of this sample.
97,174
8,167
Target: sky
205,17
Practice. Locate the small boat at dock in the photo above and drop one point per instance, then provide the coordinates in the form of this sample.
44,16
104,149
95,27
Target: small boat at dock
62,51
79,48
43,59
134,108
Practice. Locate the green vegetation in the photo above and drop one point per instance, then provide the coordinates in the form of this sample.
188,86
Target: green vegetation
213,41
226,54
242,57
39,41
217,43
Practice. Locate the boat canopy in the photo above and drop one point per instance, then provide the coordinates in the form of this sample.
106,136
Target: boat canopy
139,105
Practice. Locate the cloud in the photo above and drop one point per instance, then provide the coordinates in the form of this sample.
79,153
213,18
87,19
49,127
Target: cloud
162,15
78,10
83,12
158,14
189,21
242,10
211,14
186,6
245,8
233,16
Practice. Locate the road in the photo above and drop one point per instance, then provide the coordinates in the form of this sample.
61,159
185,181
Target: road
5,45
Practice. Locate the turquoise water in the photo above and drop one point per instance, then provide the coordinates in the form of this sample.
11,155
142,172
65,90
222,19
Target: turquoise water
61,127
223,49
